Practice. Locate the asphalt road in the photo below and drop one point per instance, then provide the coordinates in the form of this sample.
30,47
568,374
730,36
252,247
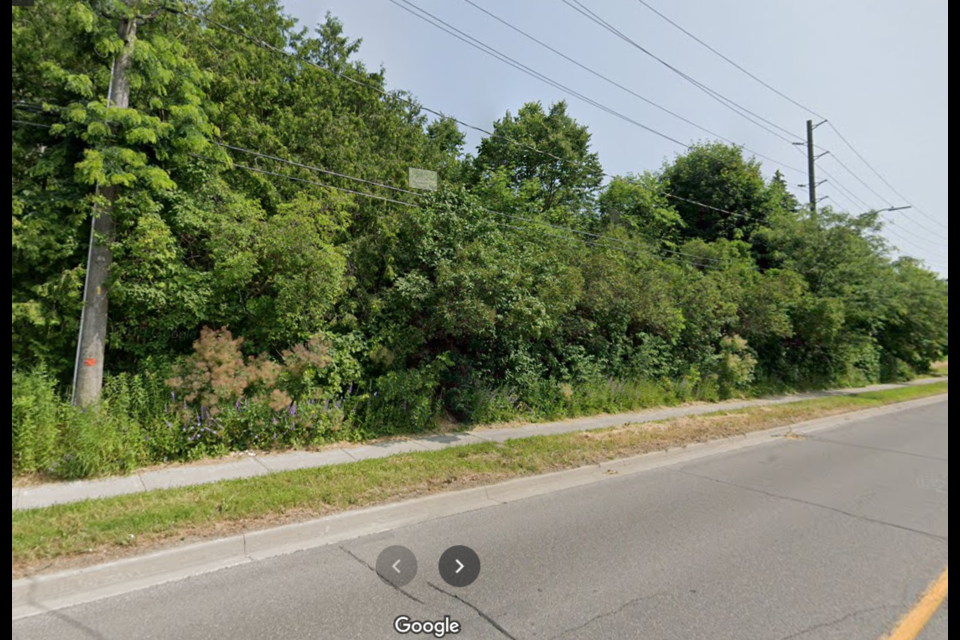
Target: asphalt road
829,537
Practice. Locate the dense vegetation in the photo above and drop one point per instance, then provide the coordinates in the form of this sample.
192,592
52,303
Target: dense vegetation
255,305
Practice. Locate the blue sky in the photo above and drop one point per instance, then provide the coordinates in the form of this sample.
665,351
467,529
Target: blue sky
876,68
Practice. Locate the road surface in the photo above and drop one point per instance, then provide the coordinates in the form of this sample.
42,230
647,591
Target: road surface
829,537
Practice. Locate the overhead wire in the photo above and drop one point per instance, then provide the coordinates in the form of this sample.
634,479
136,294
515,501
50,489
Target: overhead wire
732,62
734,106
920,225
482,47
433,20
31,124
596,237
928,246
622,87
416,105
804,107
497,55
881,176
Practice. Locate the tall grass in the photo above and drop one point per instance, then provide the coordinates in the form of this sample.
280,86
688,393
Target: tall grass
142,421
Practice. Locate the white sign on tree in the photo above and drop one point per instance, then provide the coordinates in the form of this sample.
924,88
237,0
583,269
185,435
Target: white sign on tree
424,179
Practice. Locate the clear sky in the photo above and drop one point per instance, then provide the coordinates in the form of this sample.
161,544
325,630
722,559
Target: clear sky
876,68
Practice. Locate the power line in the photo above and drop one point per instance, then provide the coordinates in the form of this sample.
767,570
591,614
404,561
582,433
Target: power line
596,239
407,191
633,93
881,176
804,107
878,195
894,231
848,194
257,154
861,181
479,45
32,124
316,169
416,105
891,225
394,201
497,55
732,62
367,85
303,181
433,20
734,106
888,202
927,243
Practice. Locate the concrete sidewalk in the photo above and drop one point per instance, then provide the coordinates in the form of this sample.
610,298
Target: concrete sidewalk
258,465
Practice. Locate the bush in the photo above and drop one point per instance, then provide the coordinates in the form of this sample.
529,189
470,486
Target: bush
893,369
35,425
99,441
401,402
217,375
52,436
735,369
550,400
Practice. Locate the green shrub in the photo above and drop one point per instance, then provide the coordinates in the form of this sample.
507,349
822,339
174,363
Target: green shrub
735,370
99,441
893,369
36,420
549,400
401,402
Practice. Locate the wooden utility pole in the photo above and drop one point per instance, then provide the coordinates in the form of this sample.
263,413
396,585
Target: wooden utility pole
812,166
91,346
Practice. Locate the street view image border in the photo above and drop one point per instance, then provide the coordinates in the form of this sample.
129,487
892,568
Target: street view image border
482,319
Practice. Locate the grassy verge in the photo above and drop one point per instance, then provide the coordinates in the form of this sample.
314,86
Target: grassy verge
90,532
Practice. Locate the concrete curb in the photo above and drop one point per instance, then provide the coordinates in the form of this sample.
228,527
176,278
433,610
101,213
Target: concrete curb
41,594
250,467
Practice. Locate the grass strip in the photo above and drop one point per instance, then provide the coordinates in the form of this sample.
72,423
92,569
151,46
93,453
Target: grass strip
89,532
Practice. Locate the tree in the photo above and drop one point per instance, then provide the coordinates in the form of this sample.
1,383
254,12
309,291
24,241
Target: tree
545,155
916,329
62,61
637,203
736,200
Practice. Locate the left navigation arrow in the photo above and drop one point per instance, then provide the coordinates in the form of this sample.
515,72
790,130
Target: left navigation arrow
397,566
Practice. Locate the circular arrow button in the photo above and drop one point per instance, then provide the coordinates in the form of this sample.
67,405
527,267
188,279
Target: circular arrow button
459,566
397,565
